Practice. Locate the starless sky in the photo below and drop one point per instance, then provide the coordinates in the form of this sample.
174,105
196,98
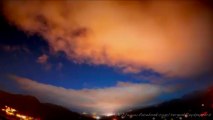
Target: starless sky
105,56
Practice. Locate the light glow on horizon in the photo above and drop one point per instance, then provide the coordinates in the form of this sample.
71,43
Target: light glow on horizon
109,114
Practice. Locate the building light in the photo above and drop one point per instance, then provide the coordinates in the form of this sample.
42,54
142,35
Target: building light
97,117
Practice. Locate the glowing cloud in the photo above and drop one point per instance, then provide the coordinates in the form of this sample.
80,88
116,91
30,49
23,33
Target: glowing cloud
171,37
102,101
42,59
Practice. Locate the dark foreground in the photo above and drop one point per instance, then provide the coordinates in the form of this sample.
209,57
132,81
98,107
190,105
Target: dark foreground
194,106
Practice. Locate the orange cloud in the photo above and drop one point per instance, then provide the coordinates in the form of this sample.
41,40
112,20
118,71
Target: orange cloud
173,38
42,59
102,100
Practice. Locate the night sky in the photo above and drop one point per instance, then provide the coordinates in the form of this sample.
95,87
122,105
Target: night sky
105,56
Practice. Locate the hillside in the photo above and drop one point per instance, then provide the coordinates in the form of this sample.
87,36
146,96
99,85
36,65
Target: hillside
31,106
194,106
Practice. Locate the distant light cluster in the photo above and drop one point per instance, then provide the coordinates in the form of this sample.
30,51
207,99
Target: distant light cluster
13,113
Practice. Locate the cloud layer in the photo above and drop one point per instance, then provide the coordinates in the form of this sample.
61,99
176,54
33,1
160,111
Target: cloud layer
102,101
173,38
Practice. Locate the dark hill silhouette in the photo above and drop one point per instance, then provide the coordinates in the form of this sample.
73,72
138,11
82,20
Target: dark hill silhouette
31,106
198,103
